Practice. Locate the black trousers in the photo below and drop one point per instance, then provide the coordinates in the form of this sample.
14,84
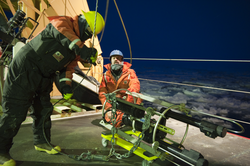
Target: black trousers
25,87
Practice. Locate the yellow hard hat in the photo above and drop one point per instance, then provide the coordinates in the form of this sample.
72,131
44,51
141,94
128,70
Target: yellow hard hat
90,17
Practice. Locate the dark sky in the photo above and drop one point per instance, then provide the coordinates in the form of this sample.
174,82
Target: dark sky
179,29
176,29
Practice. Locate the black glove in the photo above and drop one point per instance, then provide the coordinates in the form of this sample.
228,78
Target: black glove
89,54
66,90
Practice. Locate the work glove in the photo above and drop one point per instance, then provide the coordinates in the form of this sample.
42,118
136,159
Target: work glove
93,58
66,90
67,96
89,54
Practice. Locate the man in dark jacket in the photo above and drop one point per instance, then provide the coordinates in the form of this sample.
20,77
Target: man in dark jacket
29,80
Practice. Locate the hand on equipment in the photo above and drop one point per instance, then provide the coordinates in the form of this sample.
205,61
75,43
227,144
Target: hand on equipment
67,96
89,54
93,58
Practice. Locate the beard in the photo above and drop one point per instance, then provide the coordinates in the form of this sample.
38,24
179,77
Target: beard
116,67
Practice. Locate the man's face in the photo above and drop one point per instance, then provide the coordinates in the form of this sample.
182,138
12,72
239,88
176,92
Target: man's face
116,59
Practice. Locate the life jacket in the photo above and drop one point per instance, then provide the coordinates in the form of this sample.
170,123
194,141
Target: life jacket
128,80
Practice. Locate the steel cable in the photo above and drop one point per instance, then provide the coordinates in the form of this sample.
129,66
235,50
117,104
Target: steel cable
194,60
124,31
200,86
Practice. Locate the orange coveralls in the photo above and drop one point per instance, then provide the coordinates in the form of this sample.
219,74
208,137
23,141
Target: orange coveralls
128,80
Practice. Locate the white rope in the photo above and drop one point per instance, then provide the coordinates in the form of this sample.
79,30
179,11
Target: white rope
200,86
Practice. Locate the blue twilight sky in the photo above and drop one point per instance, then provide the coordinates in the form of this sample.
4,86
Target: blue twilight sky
177,29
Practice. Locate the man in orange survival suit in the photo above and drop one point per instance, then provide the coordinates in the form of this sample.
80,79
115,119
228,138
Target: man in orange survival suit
118,76
30,77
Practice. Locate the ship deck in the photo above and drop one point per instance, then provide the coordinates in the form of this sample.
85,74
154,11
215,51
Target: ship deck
81,133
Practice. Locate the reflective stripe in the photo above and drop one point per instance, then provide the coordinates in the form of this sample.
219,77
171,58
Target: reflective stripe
129,76
65,79
73,43
105,78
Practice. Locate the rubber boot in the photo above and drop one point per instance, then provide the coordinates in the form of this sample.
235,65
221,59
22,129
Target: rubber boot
47,148
6,160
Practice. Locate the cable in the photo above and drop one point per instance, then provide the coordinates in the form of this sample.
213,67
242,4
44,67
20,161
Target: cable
200,86
95,23
226,119
72,7
204,87
105,20
194,60
125,31
44,134
1,87
220,117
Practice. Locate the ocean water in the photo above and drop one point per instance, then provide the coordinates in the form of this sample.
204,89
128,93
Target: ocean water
223,103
